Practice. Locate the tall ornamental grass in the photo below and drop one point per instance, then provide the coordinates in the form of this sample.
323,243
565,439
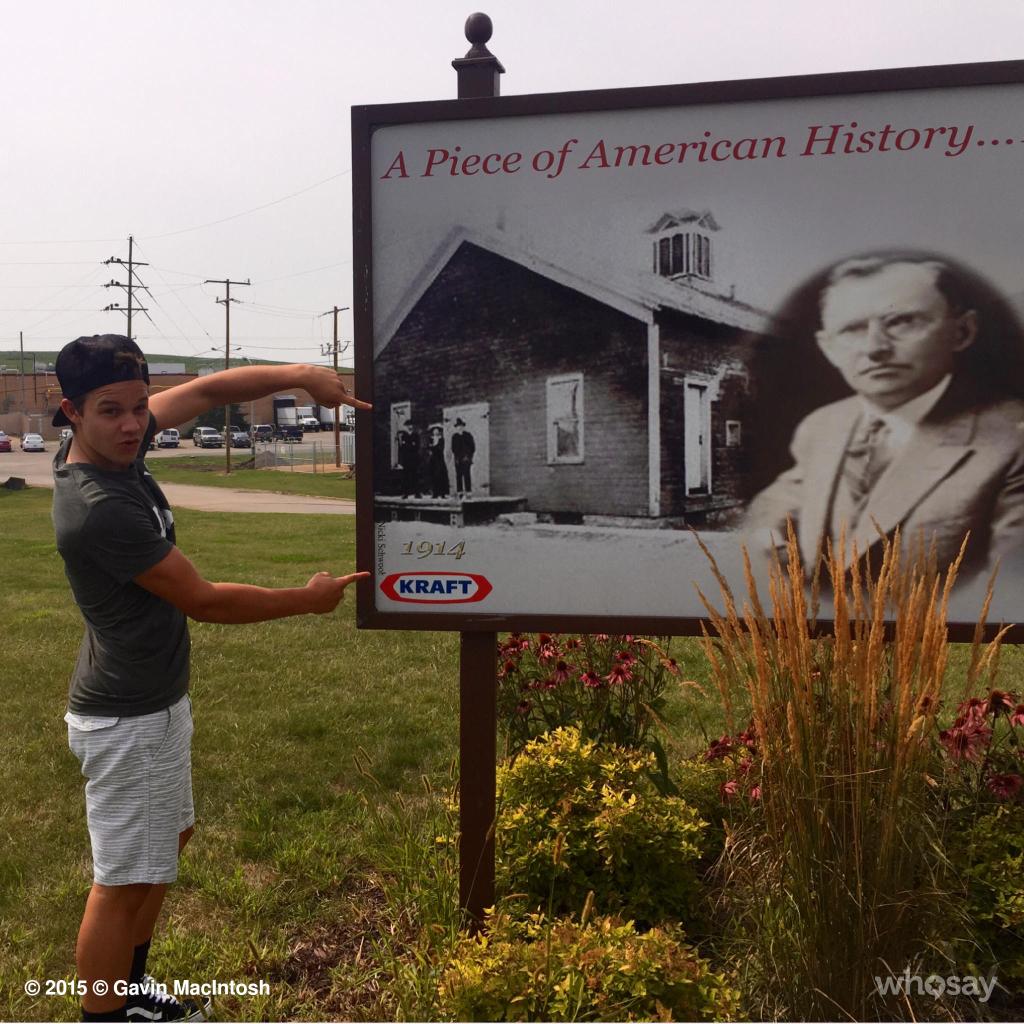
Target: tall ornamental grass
836,874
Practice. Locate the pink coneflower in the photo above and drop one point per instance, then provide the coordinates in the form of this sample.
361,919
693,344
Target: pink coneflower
523,707
548,650
999,701
508,668
602,638
971,709
671,665
718,748
574,643
592,679
619,674
743,768
729,789
748,738
1005,787
625,658
755,792
964,742
1017,718
515,644
562,672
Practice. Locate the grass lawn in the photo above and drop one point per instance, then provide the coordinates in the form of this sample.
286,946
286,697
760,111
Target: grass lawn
208,471
287,876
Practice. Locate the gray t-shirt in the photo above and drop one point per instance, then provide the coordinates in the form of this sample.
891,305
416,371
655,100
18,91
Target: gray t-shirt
111,526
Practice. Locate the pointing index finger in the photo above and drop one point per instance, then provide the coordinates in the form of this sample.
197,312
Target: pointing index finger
352,577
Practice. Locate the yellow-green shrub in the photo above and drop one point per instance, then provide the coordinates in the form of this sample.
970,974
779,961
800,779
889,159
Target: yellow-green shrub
536,969
575,817
990,857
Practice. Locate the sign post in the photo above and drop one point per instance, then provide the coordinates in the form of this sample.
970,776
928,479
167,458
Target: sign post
478,75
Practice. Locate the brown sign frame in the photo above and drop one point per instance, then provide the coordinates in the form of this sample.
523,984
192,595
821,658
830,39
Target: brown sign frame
366,120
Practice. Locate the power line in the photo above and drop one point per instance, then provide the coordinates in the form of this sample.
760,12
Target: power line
188,309
300,273
255,209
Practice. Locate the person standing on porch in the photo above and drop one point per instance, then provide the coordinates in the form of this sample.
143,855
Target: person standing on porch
463,450
409,459
436,465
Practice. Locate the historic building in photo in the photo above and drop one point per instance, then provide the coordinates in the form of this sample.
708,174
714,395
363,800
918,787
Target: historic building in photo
587,400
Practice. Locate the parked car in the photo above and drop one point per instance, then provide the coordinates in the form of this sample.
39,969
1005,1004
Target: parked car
290,434
239,438
207,437
264,431
33,443
5,442
169,438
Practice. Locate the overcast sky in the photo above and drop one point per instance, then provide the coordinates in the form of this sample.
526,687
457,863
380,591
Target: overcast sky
217,133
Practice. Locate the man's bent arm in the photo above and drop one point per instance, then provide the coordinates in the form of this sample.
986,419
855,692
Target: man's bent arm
176,580
179,404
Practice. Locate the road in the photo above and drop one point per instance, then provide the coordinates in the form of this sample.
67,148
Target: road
35,468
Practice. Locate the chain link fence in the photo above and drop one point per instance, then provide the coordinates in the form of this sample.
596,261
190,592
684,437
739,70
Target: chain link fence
317,456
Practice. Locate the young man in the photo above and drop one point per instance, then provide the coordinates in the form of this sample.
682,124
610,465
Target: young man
129,715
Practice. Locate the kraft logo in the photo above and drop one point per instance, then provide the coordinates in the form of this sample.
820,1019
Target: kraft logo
436,587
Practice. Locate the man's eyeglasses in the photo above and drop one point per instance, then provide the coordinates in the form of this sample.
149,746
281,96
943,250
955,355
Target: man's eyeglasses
892,326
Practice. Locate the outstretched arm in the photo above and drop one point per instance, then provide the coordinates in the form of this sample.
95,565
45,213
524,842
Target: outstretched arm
245,384
177,581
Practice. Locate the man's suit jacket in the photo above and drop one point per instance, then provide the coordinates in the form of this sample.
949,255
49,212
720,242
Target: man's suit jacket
961,469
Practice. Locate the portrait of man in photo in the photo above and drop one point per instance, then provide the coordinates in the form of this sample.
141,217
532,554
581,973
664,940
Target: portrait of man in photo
931,440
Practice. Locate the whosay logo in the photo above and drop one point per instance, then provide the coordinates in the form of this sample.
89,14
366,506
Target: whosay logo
436,587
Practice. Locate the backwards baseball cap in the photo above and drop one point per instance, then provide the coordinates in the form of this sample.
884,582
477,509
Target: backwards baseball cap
89,363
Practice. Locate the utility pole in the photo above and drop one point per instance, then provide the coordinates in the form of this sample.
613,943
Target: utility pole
333,351
21,346
131,264
227,300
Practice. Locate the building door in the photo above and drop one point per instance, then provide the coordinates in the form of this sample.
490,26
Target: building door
475,417
697,437
400,412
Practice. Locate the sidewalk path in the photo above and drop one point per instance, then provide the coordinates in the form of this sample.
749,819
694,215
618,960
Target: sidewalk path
202,499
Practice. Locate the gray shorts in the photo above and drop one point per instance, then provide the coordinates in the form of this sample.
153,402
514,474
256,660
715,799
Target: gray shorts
138,793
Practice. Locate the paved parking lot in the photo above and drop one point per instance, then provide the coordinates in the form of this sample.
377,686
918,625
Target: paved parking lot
35,468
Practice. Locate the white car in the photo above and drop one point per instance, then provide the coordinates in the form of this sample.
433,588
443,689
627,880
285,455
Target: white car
169,438
33,443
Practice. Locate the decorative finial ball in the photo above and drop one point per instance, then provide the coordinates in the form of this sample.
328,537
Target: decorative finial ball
479,28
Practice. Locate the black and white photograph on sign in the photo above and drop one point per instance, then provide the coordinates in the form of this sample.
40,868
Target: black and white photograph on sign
597,335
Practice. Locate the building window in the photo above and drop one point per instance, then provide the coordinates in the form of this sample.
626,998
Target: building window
683,254
565,418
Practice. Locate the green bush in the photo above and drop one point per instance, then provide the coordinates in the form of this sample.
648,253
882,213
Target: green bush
535,969
990,858
575,817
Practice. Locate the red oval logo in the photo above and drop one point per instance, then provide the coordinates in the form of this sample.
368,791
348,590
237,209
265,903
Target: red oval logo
436,587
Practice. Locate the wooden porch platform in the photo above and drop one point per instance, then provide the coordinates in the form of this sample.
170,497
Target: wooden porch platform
453,511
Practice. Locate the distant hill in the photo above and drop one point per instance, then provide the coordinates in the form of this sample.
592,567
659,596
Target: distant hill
12,360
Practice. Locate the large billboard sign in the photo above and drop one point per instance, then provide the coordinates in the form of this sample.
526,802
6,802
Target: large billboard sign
593,323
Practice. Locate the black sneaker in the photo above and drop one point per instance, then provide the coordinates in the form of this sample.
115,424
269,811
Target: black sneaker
153,1003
